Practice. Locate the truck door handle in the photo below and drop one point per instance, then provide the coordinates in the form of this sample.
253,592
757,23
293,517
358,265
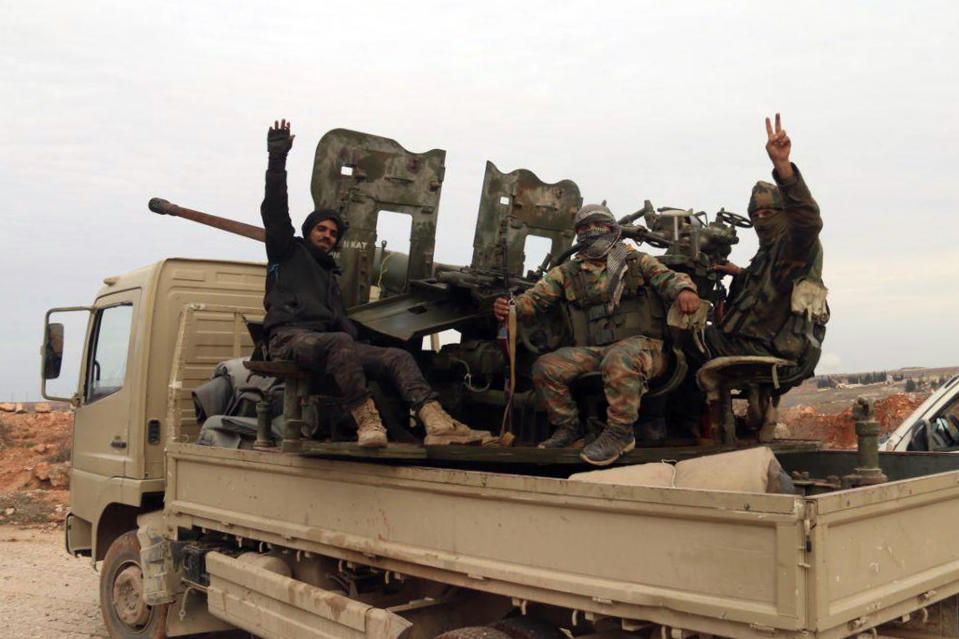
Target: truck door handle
118,443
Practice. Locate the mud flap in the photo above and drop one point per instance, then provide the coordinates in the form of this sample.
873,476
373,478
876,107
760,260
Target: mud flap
276,607
78,536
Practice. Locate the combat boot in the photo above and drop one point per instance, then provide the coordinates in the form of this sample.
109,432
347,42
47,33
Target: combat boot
614,441
443,429
369,427
564,435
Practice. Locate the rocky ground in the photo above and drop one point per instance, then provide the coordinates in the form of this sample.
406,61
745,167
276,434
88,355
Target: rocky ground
44,592
35,444
825,414
837,430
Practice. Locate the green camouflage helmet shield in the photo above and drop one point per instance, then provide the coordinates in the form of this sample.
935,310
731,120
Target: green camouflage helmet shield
765,196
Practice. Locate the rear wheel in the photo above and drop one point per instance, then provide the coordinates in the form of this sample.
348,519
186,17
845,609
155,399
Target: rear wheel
473,632
528,628
125,613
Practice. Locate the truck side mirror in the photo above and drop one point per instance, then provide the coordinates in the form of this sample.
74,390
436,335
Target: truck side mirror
52,351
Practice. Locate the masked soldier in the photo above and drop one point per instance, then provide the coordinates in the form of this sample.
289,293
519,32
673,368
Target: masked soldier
777,304
306,318
613,296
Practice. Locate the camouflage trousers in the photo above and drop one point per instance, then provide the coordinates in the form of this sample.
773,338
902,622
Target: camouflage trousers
350,363
626,366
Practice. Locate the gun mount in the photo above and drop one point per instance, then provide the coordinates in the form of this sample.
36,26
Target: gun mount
398,298
360,175
695,243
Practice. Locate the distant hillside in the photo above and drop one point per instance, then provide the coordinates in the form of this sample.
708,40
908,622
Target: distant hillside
846,387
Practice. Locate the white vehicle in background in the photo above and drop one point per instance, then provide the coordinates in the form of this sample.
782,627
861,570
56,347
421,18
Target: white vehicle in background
934,425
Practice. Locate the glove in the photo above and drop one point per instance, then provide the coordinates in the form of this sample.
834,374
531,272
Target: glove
278,138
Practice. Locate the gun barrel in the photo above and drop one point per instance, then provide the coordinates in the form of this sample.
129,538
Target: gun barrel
164,207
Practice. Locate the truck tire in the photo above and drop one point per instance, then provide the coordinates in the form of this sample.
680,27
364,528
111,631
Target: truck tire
528,628
473,632
125,613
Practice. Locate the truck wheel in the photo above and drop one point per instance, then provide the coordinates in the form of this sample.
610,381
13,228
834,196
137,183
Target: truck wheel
125,613
473,632
528,628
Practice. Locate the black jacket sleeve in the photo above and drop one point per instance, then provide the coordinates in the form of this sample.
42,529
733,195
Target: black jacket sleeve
275,212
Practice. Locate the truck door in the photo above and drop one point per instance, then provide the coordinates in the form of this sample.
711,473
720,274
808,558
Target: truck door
102,420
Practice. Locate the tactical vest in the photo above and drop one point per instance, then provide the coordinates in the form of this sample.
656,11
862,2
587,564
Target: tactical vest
759,310
640,312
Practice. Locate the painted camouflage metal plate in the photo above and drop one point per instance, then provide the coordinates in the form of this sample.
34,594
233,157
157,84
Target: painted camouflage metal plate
518,204
359,175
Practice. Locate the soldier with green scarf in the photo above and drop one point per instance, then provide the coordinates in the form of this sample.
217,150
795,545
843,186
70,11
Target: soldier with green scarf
776,304
773,299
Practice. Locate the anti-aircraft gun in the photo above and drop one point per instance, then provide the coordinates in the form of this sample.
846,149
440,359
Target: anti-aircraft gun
398,299
695,243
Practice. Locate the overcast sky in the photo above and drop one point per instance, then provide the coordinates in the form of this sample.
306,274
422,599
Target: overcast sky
105,104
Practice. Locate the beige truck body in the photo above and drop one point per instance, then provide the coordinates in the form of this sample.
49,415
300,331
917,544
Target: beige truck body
744,565
729,564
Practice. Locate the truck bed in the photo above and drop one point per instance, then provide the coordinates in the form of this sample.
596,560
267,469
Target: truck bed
731,564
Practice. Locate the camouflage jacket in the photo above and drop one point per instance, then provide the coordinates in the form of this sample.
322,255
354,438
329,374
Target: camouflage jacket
759,298
556,285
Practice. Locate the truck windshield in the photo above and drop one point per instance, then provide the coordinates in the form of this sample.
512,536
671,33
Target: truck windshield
108,361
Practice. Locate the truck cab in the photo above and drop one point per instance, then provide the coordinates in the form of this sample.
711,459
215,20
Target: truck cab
123,392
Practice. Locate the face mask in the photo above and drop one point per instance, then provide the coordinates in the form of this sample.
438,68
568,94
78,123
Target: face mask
598,242
590,235
770,227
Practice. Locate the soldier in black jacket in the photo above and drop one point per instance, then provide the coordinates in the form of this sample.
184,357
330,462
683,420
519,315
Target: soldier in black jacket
306,318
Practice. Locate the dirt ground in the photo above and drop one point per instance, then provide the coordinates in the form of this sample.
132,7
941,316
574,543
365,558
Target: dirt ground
838,430
44,592
34,463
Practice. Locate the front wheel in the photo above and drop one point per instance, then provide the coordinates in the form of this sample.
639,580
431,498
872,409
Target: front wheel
125,613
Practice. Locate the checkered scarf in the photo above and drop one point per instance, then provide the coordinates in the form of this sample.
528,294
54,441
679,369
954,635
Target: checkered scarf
600,244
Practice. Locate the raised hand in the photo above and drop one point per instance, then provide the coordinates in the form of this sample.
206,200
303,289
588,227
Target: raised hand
778,146
278,139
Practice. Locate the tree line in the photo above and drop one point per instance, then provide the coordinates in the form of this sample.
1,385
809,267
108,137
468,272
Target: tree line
912,384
